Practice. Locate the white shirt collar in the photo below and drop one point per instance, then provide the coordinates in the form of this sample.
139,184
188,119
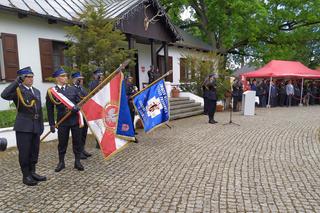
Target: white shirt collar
28,87
60,86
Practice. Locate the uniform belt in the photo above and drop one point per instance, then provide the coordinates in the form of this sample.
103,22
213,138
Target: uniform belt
31,115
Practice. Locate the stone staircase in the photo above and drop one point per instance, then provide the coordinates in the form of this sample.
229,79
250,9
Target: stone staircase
184,107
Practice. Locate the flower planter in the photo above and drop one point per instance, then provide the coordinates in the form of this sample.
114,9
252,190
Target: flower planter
219,108
175,93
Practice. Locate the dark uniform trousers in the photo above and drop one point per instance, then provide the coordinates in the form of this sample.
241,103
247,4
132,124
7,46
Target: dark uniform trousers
28,125
63,137
28,146
82,92
212,102
70,124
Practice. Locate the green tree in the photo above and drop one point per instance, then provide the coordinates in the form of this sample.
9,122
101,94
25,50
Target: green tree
200,66
96,43
257,30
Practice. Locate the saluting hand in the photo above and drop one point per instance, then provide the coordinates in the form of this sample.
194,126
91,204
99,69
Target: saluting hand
20,79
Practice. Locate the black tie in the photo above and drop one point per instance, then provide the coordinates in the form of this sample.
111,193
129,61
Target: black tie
30,90
62,88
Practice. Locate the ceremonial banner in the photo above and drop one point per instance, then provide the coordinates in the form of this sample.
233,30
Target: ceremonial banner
108,116
125,126
152,105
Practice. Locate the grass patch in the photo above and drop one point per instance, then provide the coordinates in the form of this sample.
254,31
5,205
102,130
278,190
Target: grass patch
8,117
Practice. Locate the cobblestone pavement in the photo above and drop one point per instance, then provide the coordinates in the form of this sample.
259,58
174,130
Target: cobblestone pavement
268,164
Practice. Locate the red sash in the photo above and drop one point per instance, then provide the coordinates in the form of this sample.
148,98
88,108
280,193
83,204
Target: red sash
63,99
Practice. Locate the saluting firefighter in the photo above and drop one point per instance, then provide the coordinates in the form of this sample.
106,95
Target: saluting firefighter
28,124
64,98
77,80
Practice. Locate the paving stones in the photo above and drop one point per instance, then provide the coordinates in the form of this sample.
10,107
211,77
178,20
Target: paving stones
270,163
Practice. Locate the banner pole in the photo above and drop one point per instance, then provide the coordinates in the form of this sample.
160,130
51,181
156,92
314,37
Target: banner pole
104,82
156,81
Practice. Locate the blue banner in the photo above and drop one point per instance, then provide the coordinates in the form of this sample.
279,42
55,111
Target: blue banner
153,106
125,125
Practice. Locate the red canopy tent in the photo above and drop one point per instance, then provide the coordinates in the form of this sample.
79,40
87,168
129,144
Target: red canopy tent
277,68
282,69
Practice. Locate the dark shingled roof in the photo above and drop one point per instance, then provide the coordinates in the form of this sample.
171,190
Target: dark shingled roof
191,41
68,11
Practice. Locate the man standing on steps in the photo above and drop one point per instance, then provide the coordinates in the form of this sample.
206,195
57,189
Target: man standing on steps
77,80
64,98
29,123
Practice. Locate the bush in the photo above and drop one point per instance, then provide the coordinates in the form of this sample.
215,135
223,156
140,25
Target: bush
200,67
8,117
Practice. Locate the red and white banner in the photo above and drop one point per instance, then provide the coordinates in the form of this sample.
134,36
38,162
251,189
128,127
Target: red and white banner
63,99
102,112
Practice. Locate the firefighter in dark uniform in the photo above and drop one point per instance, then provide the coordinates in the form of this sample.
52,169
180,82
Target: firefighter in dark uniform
97,79
77,80
28,124
70,124
211,99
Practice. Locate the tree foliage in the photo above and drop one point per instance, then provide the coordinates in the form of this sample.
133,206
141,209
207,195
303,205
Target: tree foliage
200,66
96,43
255,30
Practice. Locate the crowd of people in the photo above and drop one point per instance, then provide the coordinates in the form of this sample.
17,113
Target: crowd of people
282,93
286,92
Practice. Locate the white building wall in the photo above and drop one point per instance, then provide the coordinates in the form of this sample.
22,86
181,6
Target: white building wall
144,62
177,53
28,31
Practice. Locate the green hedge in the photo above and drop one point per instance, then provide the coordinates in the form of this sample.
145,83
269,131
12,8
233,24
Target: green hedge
7,117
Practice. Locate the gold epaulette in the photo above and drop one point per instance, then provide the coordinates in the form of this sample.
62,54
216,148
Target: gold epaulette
52,98
21,100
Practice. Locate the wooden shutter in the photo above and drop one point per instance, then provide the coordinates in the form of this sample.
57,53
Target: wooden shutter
46,57
183,69
10,55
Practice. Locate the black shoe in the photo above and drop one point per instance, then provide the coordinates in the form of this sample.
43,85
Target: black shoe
78,165
29,181
211,122
38,177
135,133
136,141
87,154
83,156
215,121
59,167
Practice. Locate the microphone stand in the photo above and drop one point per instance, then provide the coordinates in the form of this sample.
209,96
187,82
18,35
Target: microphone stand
230,120
230,109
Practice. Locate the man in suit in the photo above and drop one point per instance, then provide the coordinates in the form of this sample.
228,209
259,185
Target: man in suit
28,124
211,99
64,98
77,80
